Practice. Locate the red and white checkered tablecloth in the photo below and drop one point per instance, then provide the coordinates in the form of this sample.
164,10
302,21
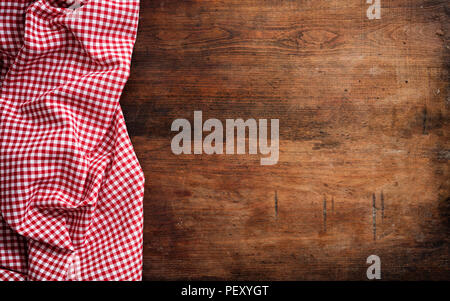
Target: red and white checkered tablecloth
71,186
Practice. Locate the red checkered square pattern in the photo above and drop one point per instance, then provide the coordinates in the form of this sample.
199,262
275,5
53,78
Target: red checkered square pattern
71,187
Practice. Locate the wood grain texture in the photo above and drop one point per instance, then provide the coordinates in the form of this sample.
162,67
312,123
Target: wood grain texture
363,109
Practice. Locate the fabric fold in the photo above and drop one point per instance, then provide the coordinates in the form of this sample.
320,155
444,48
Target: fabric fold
65,155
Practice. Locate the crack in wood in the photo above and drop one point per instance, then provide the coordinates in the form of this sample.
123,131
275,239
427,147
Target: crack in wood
276,205
374,217
424,129
324,214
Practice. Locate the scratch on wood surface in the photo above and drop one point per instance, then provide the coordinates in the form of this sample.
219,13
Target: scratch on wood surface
374,217
276,204
424,129
324,214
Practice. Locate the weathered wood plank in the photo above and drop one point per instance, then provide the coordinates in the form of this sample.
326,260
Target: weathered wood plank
363,108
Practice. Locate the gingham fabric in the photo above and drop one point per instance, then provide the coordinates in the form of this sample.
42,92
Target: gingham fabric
71,187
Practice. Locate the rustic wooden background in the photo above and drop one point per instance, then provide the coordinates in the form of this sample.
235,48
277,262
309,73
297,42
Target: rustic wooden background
363,108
